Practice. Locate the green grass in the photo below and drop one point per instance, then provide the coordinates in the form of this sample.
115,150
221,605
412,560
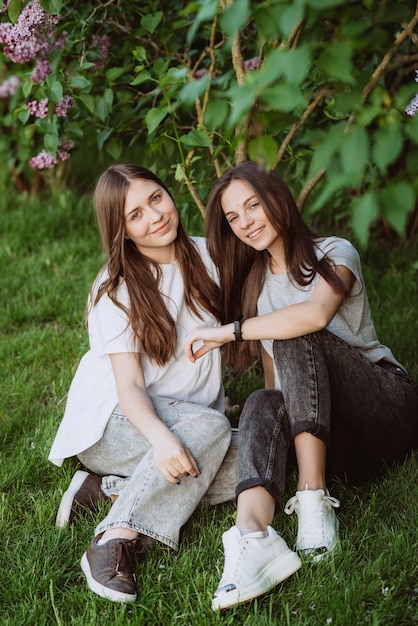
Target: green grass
49,255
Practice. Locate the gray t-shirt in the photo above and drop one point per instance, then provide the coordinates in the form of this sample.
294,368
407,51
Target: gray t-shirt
352,322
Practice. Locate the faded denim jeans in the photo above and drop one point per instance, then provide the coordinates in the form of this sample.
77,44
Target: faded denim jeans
366,413
146,501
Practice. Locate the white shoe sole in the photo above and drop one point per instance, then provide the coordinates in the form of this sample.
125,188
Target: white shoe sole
64,510
273,574
101,590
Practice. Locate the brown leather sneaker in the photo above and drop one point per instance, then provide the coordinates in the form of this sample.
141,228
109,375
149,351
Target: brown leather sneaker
109,568
84,493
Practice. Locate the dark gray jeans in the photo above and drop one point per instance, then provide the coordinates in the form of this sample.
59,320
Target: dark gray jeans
366,413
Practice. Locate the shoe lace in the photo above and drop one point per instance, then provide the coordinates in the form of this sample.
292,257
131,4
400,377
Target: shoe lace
310,521
123,557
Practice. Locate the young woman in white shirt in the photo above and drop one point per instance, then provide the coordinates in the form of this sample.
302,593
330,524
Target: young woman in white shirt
147,424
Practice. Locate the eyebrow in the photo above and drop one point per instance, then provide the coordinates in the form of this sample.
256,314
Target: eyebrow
243,204
149,197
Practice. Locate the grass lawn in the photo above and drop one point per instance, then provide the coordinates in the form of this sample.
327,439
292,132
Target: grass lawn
49,255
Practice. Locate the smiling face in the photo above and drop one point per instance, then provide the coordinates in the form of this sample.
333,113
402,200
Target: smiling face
151,220
247,218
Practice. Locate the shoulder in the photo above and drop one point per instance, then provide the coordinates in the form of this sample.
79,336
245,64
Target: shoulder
200,243
338,248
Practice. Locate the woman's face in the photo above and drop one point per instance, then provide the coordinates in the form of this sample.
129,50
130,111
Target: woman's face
247,217
151,220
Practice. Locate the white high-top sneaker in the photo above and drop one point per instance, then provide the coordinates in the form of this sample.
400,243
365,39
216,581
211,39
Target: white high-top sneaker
317,522
254,563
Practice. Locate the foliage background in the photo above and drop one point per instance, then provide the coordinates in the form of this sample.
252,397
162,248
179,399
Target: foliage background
317,89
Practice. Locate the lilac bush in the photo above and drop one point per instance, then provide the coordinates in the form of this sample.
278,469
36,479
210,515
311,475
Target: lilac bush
318,90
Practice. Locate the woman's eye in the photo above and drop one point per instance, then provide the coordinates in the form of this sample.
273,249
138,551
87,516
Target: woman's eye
232,219
254,205
135,216
156,198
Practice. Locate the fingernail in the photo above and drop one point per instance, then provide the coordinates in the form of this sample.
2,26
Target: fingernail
178,483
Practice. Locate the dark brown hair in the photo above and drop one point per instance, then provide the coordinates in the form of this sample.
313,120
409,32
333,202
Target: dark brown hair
153,327
241,268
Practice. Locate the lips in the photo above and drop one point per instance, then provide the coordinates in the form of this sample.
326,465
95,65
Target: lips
255,233
162,229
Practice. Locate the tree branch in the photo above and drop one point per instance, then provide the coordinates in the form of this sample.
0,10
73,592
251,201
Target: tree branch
307,188
286,141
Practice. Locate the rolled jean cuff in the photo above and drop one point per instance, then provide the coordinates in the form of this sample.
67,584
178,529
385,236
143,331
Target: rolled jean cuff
317,430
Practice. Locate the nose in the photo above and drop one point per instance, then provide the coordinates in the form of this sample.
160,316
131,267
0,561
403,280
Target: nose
245,220
155,216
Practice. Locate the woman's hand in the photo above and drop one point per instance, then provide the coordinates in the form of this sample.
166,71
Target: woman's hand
173,459
211,336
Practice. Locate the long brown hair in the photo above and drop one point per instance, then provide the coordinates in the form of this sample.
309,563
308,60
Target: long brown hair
241,268
153,327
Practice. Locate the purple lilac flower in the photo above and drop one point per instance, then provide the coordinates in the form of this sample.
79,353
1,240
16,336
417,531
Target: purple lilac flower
62,107
102,44
38,109
43,160
252,64
412,107
9,86
66,144
200,74
41,71
31,37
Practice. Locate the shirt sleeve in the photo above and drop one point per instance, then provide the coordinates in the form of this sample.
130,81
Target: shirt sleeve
342,252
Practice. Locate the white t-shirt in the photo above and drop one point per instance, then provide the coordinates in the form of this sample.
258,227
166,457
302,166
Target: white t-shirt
352,322
92,396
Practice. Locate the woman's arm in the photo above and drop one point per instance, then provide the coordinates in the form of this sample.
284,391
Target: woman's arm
172,458
268,369
289,322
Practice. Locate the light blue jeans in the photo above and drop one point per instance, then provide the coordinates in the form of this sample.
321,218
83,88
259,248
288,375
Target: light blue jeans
146,501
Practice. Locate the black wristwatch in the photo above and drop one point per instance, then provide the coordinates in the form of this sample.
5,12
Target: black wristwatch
237,328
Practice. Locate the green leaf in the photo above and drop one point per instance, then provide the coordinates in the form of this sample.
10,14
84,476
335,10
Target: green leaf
354,154
196,138
114,73
325,149
396,202
150,22
53,7
336,61
263,150
242,99
51,142
74,129
14,9
24,116
387,145
141,77
102,136
88,101
216,113
290,16
79,82
114,148
102,109
194,89
284,97
154,117
234,17
54,91
365,210
206,13
27,88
